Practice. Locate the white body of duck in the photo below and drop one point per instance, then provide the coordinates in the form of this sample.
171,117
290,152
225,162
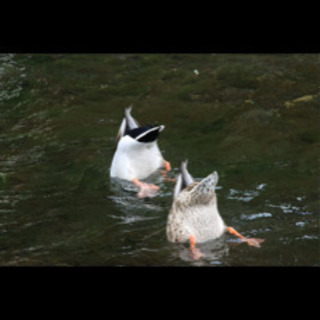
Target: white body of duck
194,210
137,154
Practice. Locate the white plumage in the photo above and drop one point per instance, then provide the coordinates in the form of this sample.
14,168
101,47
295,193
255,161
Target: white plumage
137,154
134,159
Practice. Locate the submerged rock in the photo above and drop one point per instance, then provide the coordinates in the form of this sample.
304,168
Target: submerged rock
305,98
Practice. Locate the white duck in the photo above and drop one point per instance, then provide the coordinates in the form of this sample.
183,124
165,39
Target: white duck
194,214
137,154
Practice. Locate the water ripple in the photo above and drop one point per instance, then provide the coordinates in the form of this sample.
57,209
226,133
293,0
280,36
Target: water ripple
256,216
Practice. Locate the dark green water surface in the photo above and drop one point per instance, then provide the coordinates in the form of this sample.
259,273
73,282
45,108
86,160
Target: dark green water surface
254,118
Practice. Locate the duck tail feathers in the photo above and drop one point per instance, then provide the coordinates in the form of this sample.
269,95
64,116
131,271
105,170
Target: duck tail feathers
131,123
128,123
183,180
178,186
186,176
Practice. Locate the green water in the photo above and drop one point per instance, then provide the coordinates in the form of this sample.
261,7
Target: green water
254,118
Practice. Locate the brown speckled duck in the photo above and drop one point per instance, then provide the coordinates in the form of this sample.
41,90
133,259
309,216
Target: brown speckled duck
194,214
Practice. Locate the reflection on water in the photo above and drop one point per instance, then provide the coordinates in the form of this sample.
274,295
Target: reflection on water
252,118
213,253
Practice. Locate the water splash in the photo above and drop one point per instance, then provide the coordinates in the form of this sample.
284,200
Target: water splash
246,195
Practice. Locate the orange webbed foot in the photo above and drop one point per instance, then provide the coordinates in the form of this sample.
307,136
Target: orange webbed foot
167,167
146,189
253,242
195,253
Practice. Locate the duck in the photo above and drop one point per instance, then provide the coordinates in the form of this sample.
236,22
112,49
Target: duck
137,155
194,216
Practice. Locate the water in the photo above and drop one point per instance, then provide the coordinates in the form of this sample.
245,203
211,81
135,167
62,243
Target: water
252,118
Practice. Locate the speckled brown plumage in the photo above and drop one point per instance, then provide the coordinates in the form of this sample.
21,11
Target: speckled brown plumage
194,211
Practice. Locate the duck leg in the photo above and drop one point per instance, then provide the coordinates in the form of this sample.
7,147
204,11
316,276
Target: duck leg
254,242
167,167
146,189
195,253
